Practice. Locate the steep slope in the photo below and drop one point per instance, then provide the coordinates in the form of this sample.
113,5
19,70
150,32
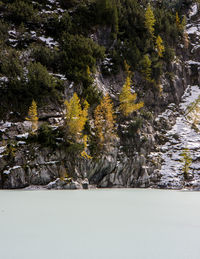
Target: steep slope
185,131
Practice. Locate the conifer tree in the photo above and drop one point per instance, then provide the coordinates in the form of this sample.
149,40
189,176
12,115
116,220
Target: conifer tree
127,99
104,120
146,67
183,23
178,22
127,68
33,116
115,21
186,160
150,20
75,117
159,46
84,152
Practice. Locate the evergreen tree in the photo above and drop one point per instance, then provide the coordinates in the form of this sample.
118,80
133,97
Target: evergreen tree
115,21
104,120
146,67
150,20
75,117
186,160
33,115
159,46
127,99
108,14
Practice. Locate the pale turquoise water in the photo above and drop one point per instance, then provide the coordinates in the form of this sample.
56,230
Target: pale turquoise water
99,224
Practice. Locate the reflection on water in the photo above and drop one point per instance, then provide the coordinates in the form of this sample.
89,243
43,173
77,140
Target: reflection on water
99,224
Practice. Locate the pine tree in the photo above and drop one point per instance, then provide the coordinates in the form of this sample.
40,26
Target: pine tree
115,21
33,116
104,120
75,117
150,20
127,99
146,67
159,46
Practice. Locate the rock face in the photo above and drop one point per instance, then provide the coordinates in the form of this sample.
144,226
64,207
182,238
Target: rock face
147,157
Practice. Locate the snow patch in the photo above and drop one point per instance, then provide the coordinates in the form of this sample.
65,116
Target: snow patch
23,136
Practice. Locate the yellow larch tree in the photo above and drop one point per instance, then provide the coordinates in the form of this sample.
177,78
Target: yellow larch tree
33,116
127,68
127,99
159,46
150,20
75,117
84,152
146,67
178,22
104,120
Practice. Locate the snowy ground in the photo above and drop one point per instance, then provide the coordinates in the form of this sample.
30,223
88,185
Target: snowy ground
181,136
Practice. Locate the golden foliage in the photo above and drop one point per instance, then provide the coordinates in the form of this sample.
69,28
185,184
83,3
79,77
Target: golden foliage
159,46
127,99
75,117
88,72
84,152
146,67
150,20
104,120
178,22
127,68
33,115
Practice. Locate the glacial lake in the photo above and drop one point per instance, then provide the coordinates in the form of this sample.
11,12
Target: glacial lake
100,224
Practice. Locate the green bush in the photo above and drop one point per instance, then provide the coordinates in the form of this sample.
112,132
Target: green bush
74,149
48,136
20,11
39,80
4,27
55,25
169,54
44,55
10,63
135,126
78,52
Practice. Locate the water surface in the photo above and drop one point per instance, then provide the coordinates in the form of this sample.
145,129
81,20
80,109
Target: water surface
99,224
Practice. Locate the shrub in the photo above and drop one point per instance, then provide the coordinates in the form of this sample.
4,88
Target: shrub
47,136
20,11
10,64
135,126
39,80
186,160
3,31
44,55
79,52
